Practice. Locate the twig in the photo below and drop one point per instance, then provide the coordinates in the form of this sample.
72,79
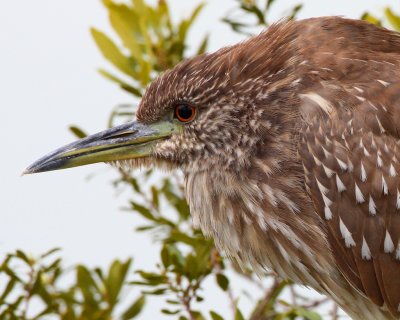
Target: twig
270,296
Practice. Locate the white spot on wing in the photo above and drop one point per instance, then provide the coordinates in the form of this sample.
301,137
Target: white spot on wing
326,152
392,171
317,161
384,83
379,161
329,172
398,200
326,200
386,147
348,239
384,185
342,164
363,174
361,143
324,190
350,166
340,185
358,89
388,245
398,251
365,251
359,196
380,124
371,206
328,213
373,143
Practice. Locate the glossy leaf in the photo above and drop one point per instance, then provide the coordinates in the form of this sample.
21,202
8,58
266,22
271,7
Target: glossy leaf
371,19
134,309
111,52
393,18
79,133
215,316
238,315
222,281
116,277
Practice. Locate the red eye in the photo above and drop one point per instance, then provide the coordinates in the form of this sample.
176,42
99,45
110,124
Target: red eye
184,112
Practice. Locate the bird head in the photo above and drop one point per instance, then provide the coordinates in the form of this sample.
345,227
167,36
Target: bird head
204,113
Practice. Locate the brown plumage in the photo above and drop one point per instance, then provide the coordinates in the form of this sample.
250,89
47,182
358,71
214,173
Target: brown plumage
292,159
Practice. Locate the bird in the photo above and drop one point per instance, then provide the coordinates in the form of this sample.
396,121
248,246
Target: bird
289,143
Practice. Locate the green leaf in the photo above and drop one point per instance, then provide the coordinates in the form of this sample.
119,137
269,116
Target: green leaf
140,7
23,257
100,274
54,265
295,11
371,19
307,314
178,236
157,292
134,309
144,228
215,316
165,257
196,11
143,211
191,267
111,52
115,279
223,281
146,65
177,201
175,302
393,19
203,46
87,285
170,312
125,23
176,256
155,197
77,132
6,269
251,8
152,279
125,86
41,289
186,23
10,285
268,4
49,253
238,315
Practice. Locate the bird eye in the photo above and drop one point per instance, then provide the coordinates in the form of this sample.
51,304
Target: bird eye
184,112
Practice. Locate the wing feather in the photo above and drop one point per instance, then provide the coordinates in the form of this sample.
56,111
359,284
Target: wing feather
351,161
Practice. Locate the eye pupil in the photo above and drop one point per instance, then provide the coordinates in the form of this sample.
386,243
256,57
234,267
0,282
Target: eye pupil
184,112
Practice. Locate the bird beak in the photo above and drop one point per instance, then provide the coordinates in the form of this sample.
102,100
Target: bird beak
127,141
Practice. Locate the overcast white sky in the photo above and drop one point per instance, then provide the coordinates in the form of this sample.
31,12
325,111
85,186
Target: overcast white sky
48,80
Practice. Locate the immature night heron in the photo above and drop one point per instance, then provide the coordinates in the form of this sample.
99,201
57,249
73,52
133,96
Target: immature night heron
289,143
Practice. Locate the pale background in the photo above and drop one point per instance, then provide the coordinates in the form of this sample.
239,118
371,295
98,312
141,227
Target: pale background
48,80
